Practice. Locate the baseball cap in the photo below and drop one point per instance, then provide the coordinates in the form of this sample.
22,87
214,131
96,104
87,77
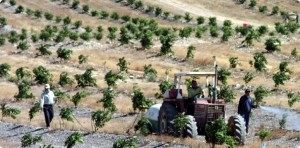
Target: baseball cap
47,86
247,90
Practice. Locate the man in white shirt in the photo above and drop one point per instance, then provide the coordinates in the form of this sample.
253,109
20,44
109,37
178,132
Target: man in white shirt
46,102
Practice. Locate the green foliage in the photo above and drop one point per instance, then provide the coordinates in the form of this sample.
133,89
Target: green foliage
123,64
49,16
3,22
115,16
260,62
4,69
139,4
292,26
9,111
217,133
167,38
294,52
263,134
281,28
73,139
139,101
67,20
24,45
200,30
2,39
125,37
212,21
158,11
20,9
38,13
42,75
143,125
243,30
127,142
200,20
165,85
66,2
82,59
67,114
34,38
248,41
44,49
86,8
77,24
263,9
12,2
60,95
241,1
76,99
280,77
226,93
64,79
149,72
111,78
180,121
86,78
187,17
177,17
275,10
227,32
293,98
29,140
104,14
24,91
13,37
131,2
214,31
107,100
24,35
233,62
272,45
86,36
166,15
33,110
259,93
190,54
185,32
146,40
100,118
95,13
248,77
64,54
112,31
262,30
126,18
227,23
58,19
223,74
22,73
282,121
252,3
75,4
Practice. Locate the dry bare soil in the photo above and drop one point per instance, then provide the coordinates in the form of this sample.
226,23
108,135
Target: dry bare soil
104,55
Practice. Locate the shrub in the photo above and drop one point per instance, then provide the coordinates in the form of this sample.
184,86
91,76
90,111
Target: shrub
185,32
29,140
226,93
33,110
272,45
100,118
38,13
67,20
212,21
190,54
275,10
9,111
4,69
76,99
158,11
280,77
149,72
143,126
24,91
49,16
260,62
42,75
262,30
86,79
252,3
233,62
115,16
180,121
86,8
24,45
67,114
58,19
73,139
248,77
95,13
263,9
214,31
294,53
216,133
112,31
78,24
167,38
293,98
64,79
127,142
223,74
200,20
111,78
20,9
82,59
22,73
75,4
187,17
3,22
2,40
259,93
282,121
263,134
104,14
139,101
146,40
44,49
107,100
64,54
12,2
123,64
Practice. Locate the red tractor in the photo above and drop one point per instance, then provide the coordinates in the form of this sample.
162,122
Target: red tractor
198,111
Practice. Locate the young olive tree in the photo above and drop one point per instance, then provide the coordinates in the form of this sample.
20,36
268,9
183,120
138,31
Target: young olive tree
86,78
24,91
74,138
190,54
272,45
139,101
223,75
9,111
259,94
99,118
4,69
260,62
233,62
64,54
42,75
64,79
248,77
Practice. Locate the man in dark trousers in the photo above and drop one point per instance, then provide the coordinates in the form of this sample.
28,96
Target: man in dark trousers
46,102
245,106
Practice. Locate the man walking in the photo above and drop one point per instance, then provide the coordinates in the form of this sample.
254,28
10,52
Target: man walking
245,106
47,101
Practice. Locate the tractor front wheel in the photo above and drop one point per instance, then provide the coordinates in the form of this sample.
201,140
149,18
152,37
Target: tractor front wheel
190,129
237,127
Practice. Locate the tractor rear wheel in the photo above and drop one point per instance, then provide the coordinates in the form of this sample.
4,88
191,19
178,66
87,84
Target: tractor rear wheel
166,115
237,127
190,129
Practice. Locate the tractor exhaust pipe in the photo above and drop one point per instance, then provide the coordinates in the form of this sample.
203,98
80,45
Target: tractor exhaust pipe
215,85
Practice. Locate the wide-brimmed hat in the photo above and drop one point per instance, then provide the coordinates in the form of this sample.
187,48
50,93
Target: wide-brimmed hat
47,86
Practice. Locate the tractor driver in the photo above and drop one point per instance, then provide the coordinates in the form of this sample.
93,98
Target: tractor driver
195,91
